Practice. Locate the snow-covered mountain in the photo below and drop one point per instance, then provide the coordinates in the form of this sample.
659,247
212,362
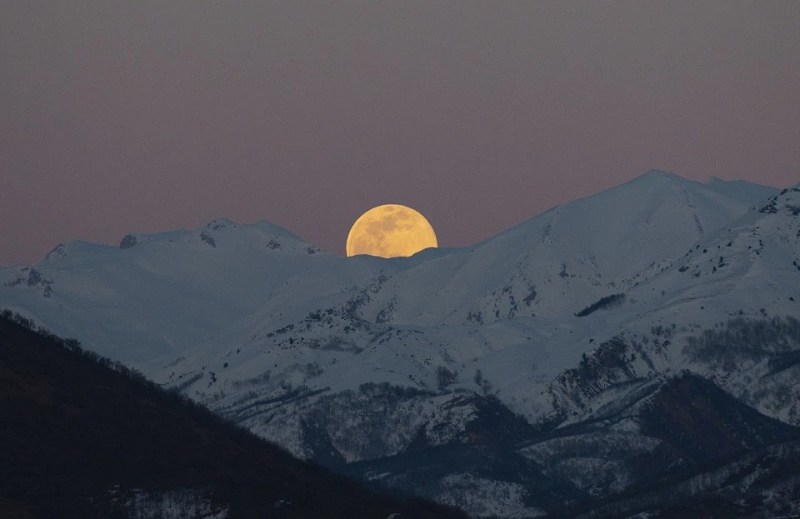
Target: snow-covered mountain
584,312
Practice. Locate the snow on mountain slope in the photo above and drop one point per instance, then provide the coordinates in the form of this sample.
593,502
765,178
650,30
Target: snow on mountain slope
560,261
740,190
236,298
723,310
157,294
350,359
409,318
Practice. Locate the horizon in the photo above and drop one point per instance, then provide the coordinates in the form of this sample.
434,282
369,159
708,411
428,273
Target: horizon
115,244
165,115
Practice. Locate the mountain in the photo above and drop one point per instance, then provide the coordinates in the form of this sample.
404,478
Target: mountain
673,431
204,278
81,439
437,374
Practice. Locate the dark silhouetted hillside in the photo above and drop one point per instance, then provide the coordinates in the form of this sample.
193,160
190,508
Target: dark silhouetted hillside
81,437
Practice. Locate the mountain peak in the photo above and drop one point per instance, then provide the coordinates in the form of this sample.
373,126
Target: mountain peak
660,174
656,179
220,223
738,190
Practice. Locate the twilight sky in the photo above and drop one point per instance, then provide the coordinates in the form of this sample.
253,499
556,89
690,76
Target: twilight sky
147,116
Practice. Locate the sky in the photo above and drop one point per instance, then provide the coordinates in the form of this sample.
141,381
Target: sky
149,116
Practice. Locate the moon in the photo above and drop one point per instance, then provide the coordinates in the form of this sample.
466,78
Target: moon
390,231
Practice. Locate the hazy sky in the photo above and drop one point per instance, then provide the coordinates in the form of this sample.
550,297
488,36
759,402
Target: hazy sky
144,116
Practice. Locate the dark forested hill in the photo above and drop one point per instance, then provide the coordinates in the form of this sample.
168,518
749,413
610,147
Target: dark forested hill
80,437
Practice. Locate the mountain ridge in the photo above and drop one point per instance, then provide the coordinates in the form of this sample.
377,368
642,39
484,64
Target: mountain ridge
562,320
84,440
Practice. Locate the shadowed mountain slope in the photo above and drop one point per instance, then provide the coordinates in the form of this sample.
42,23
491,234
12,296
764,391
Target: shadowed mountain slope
685,441
81,439
563,326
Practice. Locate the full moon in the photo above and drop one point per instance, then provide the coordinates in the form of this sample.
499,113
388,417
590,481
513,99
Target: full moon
390,231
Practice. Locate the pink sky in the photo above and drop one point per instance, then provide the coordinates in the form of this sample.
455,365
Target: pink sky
120,117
